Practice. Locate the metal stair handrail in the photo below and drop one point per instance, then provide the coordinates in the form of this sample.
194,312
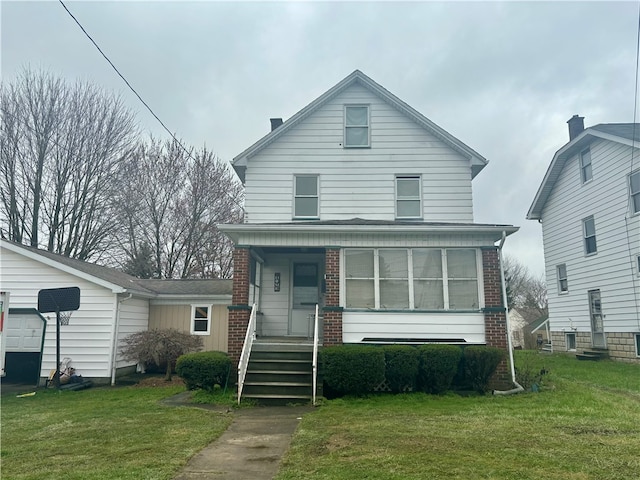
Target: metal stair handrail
315,356
243,363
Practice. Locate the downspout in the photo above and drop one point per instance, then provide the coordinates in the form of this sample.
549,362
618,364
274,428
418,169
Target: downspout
518,388
114,350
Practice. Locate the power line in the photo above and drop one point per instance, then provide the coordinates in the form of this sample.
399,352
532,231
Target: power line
138,95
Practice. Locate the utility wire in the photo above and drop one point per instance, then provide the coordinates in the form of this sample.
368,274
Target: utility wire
138,95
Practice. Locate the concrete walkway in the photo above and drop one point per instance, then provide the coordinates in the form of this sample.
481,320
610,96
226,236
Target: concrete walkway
251,448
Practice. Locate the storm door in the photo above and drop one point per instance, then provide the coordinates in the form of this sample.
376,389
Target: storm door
597,325
304,297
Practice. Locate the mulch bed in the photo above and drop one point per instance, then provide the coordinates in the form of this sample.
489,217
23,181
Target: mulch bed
158,381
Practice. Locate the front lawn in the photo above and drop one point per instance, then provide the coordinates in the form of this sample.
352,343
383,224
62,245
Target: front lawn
102,433
584,424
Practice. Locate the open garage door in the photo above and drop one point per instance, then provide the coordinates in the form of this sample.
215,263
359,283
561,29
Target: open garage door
24,330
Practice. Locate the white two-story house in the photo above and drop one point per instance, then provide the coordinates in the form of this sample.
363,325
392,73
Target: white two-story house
361,205
589,208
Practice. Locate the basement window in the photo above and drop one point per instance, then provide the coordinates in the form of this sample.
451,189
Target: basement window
571,342
637,344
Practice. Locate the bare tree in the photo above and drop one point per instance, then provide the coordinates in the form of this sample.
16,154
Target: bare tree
62,146
172,200
525,292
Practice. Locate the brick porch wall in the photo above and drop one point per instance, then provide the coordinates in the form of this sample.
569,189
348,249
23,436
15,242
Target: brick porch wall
495,322
239,310
332,309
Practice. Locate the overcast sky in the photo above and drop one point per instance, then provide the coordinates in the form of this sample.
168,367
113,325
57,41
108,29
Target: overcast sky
502,77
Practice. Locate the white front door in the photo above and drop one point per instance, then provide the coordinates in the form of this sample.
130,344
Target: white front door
304,297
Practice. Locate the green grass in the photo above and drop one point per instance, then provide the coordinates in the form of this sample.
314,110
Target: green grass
102,433
584,424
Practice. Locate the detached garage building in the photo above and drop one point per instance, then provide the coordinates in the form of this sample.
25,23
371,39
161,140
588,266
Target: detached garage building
112,306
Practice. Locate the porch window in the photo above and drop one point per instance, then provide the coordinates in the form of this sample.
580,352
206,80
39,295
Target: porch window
306,198
412,279
200,320
255,282
408,198
356,126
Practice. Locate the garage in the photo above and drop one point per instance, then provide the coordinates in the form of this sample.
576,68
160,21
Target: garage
24,336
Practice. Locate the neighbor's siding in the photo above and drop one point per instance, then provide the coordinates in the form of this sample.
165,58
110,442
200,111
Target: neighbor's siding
613,269
178,316
133,317
358,182
87,338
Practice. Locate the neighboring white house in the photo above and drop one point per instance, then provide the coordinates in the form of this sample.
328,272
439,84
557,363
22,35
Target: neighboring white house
361,205
589,208
112,306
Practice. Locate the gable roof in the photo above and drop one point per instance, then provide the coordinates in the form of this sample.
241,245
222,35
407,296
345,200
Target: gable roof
624,133
120,282
477,161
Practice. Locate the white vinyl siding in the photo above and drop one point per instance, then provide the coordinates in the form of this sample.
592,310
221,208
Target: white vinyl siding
634,191
306,202
88,339
586,172
590,244
411,279
133,317
358,182
607,199
356,126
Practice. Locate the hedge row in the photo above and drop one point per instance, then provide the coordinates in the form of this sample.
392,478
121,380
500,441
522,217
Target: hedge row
359,369
205,370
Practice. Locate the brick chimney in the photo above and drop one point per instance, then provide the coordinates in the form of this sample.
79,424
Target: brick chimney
275,123
576,126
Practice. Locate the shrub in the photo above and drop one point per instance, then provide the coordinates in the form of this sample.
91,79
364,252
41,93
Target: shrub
353,369
204,370
401,367
162,347
438,366
480,364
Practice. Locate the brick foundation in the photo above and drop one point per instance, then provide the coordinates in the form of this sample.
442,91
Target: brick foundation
495,321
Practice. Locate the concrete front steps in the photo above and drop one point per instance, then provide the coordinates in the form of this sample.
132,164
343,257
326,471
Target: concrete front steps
280,374
593,354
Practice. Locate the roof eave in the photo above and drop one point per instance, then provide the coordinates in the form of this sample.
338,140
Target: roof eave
67,269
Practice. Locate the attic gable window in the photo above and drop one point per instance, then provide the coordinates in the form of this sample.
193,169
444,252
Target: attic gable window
408,197
356,126
585,166
634,190
306,198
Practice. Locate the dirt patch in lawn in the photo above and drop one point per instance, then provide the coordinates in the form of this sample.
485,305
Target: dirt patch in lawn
158,381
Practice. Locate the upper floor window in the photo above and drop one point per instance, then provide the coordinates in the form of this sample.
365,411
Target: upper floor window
412,279
589,232
356,126
200,320
585,165
634,191
408,198
305,202
563,283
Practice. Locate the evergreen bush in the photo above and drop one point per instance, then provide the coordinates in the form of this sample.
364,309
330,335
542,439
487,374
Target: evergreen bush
401,367
480,364
352,369
438,366
205,370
